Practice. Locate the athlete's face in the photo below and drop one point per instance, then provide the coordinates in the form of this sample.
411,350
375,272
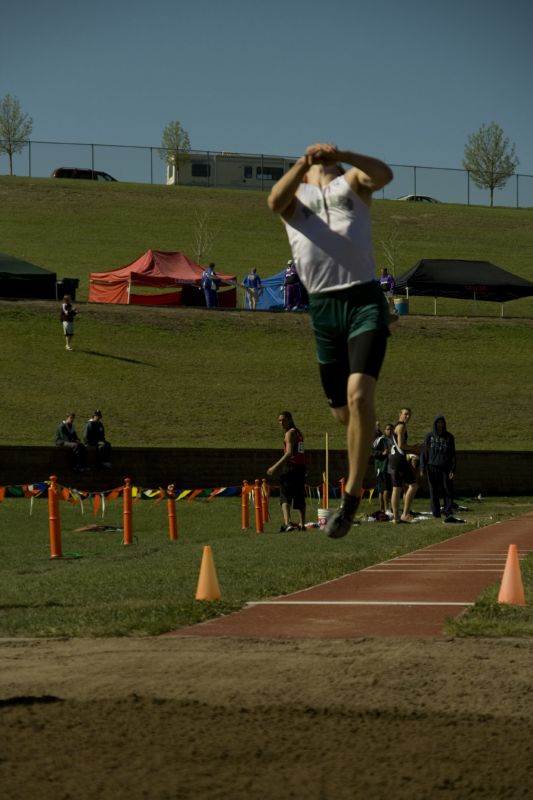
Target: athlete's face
405,415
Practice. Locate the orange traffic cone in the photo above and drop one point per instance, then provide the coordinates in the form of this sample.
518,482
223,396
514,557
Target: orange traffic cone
208,588
512,588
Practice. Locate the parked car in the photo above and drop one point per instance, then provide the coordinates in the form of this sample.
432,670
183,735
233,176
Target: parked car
418,198
82,174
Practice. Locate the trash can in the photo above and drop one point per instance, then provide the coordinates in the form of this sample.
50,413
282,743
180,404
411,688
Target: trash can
67,286
401,305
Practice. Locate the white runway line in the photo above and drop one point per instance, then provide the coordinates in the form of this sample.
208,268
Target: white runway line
353,603
418,571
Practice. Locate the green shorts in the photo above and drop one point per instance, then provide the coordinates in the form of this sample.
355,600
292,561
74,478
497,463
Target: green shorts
340,315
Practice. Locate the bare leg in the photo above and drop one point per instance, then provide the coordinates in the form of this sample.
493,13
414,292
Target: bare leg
408,499
359,415
395,501
286,511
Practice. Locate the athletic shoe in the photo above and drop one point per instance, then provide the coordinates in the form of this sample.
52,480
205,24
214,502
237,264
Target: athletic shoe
451,518
290,527
341,520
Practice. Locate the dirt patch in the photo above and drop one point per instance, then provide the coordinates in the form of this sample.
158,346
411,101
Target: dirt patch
227,718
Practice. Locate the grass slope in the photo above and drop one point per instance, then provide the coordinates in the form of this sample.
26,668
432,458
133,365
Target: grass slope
171,376
189,377
76,227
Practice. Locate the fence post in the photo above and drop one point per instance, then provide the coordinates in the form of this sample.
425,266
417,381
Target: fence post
245,506
172,521
258,507
128,526
53,519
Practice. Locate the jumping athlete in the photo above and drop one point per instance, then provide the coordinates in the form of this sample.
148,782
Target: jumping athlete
326,212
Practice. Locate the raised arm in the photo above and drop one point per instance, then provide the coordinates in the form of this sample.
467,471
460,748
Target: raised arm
367,172
282,196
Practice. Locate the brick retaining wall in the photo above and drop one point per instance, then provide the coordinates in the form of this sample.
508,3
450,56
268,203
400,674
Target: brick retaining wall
480,471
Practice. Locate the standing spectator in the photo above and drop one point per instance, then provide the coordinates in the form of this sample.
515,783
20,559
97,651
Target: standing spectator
68,312
326,211
402,470
210,284
381,449
67,437
387,283
292,287
94,436
292,477
253,288
438,461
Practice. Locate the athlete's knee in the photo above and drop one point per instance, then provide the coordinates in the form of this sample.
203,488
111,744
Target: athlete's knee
361,390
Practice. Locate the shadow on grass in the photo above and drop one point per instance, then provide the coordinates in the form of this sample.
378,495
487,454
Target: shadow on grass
116,358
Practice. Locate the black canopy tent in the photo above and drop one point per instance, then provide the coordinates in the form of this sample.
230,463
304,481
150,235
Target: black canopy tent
462,280
21,279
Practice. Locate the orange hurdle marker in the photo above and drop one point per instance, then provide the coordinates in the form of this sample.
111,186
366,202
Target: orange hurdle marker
208,587
53,519
172,521
512,588
258,507
128,522
245,505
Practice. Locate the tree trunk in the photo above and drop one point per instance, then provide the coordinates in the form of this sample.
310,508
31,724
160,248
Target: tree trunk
491,196
10,154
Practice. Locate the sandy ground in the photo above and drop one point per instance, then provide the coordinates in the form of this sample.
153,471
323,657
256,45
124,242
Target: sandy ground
228,718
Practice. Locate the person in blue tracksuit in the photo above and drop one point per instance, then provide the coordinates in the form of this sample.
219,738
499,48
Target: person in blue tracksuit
438,461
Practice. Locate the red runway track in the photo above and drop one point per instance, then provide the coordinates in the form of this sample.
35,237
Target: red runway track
411,595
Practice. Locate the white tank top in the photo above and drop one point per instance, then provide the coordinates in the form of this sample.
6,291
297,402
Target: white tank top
330,237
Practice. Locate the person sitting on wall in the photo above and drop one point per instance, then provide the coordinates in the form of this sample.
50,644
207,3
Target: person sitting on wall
94,436
67,437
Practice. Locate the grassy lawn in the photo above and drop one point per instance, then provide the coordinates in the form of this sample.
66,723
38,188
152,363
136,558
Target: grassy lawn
160,375
103,588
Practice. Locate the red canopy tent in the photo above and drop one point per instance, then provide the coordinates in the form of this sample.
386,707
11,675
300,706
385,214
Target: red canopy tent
159,270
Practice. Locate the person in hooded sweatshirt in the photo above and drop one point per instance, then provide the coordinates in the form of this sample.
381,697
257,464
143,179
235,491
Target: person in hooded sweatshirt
438,461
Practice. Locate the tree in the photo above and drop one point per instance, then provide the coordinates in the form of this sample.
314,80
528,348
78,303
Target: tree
175,147
489,158
204,234
391,247
15,128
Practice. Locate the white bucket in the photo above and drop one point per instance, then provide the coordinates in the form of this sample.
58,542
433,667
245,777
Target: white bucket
323,516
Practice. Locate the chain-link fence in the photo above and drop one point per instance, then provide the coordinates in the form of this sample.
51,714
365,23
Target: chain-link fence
140,164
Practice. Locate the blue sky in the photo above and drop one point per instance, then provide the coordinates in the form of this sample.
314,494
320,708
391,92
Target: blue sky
407,81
